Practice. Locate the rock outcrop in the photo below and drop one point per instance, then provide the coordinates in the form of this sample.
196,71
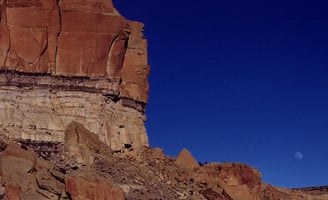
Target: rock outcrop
26,176
54,171
186,161
82,145
82,184
64,61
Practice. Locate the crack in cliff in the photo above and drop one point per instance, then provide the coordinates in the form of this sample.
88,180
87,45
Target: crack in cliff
4,27
58,34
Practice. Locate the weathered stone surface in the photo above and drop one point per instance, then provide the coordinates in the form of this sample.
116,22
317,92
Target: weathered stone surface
47,181
16,166
12,192
77,134
147,174
67,60
24,175
85,185
240,181
210,194
239,174
186,161
135,67
43,115
232,180
74,38
83,145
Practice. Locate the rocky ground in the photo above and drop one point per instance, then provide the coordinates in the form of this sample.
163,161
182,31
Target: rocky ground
83,168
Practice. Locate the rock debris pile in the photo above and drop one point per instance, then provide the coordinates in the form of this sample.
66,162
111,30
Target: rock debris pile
83,168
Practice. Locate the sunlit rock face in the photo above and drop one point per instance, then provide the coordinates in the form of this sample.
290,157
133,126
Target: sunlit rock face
68,60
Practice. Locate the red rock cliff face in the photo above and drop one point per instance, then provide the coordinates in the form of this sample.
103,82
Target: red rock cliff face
85,38
72,60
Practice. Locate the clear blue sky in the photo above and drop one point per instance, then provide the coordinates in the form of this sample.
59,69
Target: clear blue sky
240,81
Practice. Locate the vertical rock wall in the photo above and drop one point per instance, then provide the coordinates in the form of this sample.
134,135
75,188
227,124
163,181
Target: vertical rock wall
68,60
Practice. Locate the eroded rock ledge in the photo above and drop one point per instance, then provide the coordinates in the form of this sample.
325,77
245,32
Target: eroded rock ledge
64,61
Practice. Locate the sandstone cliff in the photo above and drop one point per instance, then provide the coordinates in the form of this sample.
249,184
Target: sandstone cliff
66,60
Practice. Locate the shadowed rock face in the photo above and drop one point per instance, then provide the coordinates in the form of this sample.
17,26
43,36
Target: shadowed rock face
66,60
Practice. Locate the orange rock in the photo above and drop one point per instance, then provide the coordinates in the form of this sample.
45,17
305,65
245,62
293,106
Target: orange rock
239,174
135,67
13,192
87,38
186,160
85,185
15,165
105,6
82,145
84,48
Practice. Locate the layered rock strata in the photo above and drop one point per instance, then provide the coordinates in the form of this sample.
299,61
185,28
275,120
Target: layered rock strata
64,61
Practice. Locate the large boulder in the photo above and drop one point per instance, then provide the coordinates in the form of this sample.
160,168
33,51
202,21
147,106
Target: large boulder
232,180
83,145
16,169
186,161
83,184
26,176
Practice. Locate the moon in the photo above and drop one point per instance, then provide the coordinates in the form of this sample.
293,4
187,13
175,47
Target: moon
298,155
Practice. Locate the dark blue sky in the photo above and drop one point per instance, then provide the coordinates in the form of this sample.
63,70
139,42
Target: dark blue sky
242,81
